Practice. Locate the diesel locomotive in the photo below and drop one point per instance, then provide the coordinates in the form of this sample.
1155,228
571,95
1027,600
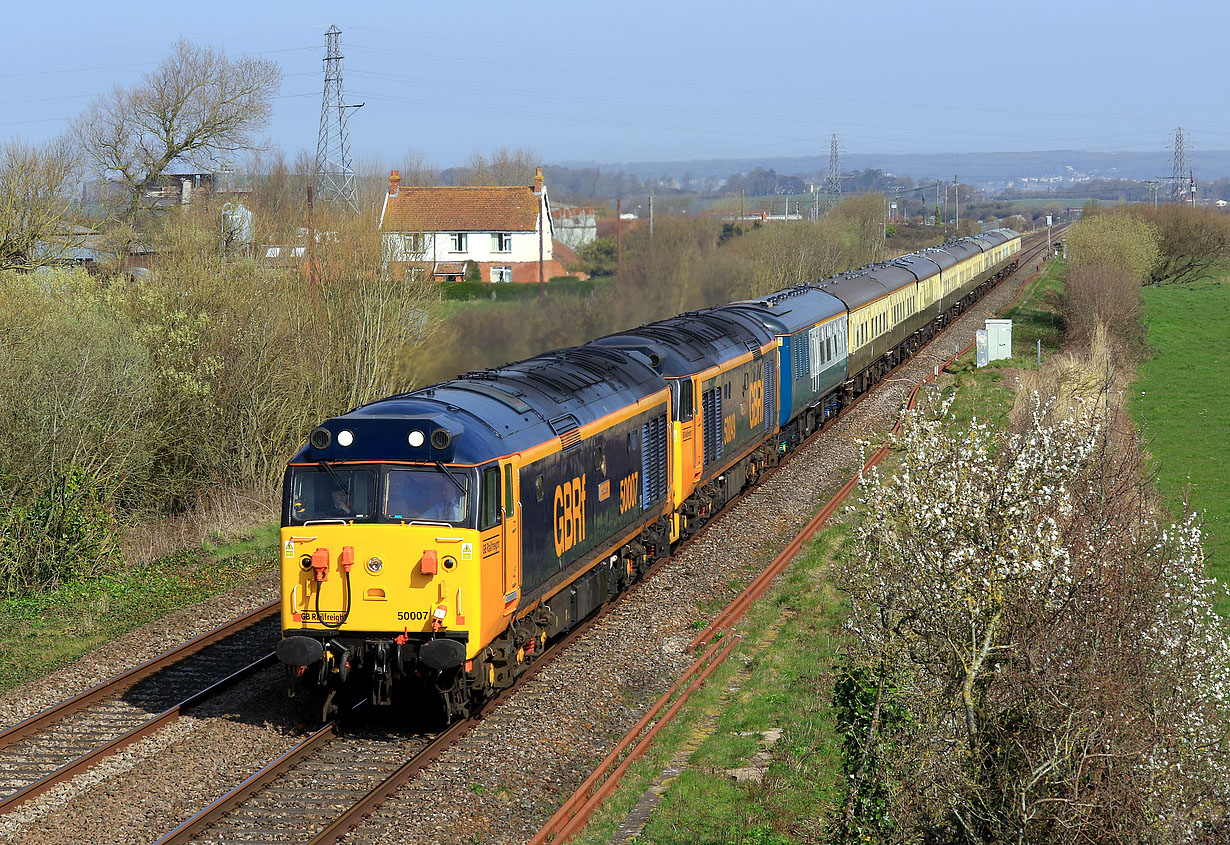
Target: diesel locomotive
434,541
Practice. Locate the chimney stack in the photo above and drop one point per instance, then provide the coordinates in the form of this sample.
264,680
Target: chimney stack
538,180
394,183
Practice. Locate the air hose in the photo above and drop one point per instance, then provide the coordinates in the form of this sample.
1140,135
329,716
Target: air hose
345,612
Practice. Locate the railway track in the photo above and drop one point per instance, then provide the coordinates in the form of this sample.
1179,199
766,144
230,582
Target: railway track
320,790
53,746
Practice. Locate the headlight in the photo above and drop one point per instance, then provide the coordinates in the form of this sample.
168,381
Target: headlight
416,439
345,438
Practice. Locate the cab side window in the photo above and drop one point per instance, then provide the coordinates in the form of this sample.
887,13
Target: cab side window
685,400
489,513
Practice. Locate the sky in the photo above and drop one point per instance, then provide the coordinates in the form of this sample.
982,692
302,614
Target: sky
658,81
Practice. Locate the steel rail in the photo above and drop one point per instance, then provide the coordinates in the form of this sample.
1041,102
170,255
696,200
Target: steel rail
251,786
377,795
606,770
125,680
143,730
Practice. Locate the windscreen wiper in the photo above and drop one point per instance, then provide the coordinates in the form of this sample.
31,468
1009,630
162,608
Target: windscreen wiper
337,479
440,466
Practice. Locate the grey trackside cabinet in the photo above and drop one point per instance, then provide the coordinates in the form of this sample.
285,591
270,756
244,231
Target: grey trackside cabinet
999,339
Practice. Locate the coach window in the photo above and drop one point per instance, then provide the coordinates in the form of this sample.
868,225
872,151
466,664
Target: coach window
489,513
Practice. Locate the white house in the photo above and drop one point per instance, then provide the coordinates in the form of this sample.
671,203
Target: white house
505,230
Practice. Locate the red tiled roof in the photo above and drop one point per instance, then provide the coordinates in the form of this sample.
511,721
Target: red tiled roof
450,209
563,253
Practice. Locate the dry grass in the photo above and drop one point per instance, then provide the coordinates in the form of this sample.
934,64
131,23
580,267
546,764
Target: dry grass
1081,381
218,517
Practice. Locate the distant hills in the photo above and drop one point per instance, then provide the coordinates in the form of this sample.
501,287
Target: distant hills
972,168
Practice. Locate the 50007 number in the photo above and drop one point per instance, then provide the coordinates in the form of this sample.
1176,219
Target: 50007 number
412,615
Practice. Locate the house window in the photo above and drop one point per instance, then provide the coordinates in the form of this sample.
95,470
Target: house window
501,274
457,241
501,242
412,244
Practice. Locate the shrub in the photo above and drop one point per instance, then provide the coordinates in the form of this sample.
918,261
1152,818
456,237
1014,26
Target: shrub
63,533
1110,257
1039,642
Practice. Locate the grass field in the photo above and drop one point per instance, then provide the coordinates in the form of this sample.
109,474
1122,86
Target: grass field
778,677
1182,400
43,632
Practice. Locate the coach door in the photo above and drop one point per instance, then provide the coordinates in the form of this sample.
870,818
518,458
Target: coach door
511,511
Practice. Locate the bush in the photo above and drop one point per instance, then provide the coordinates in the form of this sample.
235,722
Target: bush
76,390
599,257
1034,655
64,533
124,400
1110,257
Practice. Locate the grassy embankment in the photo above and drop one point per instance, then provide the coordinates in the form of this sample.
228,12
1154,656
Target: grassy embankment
1182,401
43,632
780,676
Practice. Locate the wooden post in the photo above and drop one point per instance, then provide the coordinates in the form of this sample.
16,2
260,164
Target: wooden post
619,234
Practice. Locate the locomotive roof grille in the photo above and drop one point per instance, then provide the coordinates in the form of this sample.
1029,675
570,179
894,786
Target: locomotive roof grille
492,393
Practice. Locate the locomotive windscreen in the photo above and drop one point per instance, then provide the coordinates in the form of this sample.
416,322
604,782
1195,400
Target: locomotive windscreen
344,493
426,495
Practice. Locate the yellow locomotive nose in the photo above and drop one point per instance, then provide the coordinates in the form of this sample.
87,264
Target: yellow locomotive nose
414,579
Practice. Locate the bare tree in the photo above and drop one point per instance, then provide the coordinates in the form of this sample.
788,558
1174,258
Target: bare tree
505,167
1193,242
35,202
196,106
415,170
